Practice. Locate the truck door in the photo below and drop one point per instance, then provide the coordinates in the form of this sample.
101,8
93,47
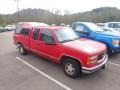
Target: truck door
81,31
48,46
34,42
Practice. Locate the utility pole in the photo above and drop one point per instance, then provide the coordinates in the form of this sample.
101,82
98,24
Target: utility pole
18,15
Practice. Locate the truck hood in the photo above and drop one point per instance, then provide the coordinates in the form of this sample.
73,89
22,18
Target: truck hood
109,33
87,46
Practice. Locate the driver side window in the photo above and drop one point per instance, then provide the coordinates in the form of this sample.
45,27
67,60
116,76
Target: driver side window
46,36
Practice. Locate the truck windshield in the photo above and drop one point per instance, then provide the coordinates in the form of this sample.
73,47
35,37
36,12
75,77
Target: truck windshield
66,35
94,27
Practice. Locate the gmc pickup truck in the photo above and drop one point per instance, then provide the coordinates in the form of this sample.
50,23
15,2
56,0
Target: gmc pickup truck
92,31
63,46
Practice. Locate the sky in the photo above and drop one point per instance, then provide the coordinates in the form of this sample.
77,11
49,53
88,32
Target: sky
74,6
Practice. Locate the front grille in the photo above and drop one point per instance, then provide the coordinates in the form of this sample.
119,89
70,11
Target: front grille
101,56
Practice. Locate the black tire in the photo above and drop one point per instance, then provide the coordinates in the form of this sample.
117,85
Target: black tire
75,65
22,51
109,51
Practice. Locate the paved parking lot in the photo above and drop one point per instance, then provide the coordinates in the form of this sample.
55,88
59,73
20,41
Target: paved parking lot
32,72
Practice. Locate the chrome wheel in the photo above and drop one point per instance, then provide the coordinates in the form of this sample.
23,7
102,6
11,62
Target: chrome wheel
70,69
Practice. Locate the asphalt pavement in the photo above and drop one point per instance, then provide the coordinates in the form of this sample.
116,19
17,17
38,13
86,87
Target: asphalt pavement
32,72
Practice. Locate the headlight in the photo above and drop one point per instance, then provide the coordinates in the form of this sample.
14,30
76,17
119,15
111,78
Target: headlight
92,59
115,42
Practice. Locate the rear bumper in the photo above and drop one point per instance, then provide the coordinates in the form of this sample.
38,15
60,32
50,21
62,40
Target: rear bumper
93,69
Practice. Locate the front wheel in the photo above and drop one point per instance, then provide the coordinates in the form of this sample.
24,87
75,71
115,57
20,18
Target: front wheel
71,68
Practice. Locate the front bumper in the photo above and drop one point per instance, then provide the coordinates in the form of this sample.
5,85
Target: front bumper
115,49
95,68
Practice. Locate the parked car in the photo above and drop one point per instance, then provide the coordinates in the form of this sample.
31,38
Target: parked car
2,29
110,29
63,46
10,27
114,25
100,24
92,31
52,25
62,24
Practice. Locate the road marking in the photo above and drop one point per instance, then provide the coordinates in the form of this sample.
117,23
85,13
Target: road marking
114,64
47,76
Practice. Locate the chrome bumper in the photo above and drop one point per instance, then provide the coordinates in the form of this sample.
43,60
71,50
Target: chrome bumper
95,68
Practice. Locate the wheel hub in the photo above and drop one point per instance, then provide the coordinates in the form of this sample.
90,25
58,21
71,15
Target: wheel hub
69,68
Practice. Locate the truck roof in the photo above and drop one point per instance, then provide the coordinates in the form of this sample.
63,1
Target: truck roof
51,27
40,25
32,24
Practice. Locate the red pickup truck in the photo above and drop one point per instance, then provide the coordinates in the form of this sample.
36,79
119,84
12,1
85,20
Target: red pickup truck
63,46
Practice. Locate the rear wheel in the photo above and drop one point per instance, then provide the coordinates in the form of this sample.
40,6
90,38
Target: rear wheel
71,68
22,51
